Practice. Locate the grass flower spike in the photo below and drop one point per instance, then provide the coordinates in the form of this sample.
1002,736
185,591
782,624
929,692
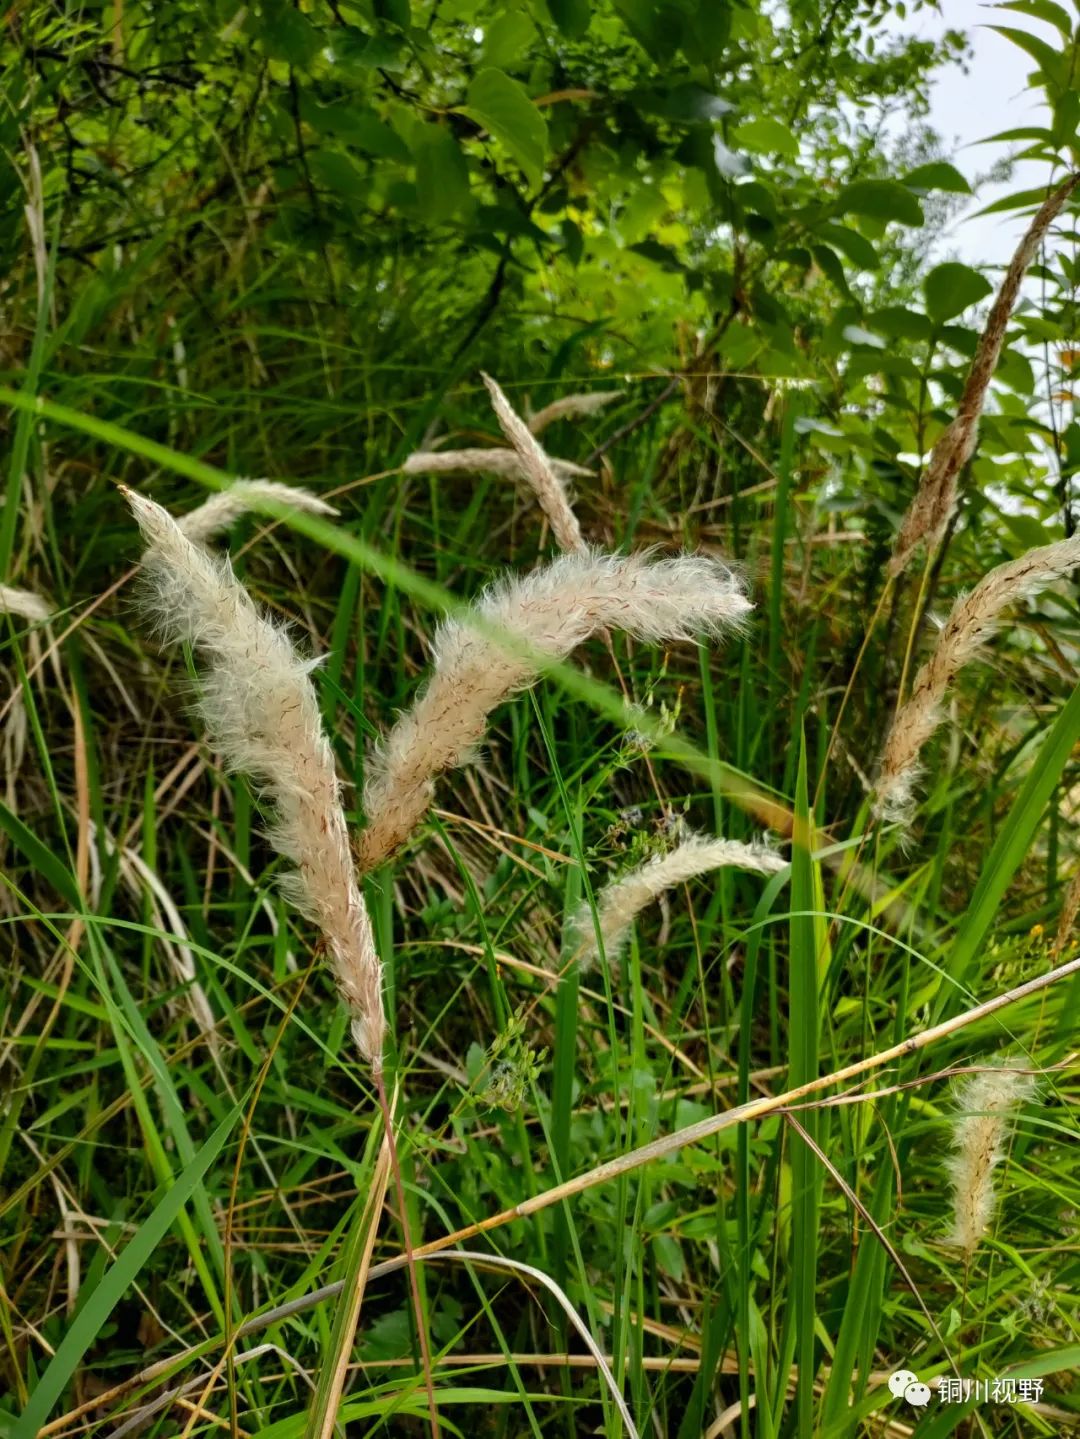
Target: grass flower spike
570,407
969,626
24,604
542,616
261,709
620,902
537,468
986,1105
484,460
216,514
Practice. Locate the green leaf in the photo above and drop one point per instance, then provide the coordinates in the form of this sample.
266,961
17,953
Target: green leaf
1049,60
1011,846
41,857
571,16
333,170
355,124
684,104
951,288
505,110
1019,200
508,38
442,176
897,320
938,175
95,1308
1047,10
856,247
285,33
881,200
767,137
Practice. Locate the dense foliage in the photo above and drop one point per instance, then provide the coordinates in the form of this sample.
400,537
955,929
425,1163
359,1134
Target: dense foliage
284,240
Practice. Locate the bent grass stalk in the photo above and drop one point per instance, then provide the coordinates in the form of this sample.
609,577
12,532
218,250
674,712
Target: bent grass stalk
572,407
539,472
496,460
220,511
619,902
970,624
262,712
511,633
623,1164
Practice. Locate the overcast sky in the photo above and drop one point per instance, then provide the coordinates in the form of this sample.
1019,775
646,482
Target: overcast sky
991,97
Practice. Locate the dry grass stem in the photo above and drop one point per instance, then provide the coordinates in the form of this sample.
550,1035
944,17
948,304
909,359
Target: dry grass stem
539,472
223,509
932,508
518,627
572,407
969,626
262,712
24,604
986,1104
620,902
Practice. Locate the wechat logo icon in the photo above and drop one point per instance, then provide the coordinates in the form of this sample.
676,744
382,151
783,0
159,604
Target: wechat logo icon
907,1384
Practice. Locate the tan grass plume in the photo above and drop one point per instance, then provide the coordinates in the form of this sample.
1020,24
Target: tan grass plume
497,460
217,513
539,472
541,617
260,707
930,511
572,407
970,624
619,903
24,604
986,1105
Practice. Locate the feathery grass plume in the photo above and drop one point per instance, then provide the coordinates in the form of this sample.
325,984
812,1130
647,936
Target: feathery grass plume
223,509
970,624
1070,908
262,712
985,1107
490,460
571,407
620,902
931,509
24,604
538,471
519,625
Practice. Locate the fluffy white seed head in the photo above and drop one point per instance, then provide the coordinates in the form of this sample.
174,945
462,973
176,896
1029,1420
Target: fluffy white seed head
24,604
216,514
262,712
619,903
541,617
572,407
487,460
986,1105
971,623
538,470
